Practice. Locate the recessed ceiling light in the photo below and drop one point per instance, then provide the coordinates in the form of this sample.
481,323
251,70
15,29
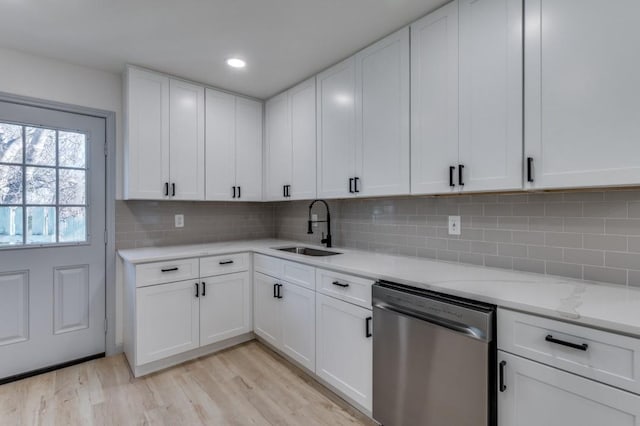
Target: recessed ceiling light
236,63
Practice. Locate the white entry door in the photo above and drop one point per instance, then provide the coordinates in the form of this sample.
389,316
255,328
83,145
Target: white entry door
52,244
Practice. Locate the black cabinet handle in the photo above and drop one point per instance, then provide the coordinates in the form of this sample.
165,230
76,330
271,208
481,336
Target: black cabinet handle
239,191
275,290
225,262
367,326
451,170
173,189
460,169
204,288
503,387
279,294
355,184
529,169
166,189
339,284
288,191
351,185
284,191
580,347
234,192
197,290
169,269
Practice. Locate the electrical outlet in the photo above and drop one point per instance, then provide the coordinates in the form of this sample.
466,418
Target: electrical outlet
179,219
454,225
314,218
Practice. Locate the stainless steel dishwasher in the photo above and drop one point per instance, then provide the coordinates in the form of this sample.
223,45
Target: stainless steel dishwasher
433,358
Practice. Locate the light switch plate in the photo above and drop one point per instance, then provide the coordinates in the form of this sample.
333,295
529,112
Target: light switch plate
454,225
179,221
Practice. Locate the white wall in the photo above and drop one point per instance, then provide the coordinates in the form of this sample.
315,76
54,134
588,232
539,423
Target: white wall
49,79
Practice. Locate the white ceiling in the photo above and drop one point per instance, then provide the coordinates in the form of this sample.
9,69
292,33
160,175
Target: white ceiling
283,41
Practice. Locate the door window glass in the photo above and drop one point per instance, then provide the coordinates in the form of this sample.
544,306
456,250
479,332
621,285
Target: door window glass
43,185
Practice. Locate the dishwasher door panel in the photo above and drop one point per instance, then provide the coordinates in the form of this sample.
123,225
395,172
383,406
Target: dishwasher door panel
426,374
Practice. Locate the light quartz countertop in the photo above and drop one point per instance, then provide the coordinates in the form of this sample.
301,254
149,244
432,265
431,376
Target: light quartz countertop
604,306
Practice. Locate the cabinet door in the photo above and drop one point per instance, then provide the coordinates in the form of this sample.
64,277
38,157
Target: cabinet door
434,101
147,135
491,94
220,137
225,307
186,141
336,116
343,350
298,307
278,161
582,86
249,149
267,310
168,320
537,395
382,116
302,103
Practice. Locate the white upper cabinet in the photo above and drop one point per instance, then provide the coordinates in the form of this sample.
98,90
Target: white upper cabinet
434,101
382,117
582,85
466,78
490,95
363,122
233,147
290,144
278,159
336,126
248,149
186,136
302,104
164,137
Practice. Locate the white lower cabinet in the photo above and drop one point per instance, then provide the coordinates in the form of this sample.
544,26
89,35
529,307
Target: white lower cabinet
285,318
168,320
225,307
344,352
535,394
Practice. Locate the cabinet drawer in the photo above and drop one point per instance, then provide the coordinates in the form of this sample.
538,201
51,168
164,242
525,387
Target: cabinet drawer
346,287
607,357
268,265
219,265
166,272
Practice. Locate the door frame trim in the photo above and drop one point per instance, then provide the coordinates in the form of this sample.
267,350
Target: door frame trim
110,198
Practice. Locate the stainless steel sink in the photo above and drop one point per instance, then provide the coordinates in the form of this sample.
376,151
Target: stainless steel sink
308,251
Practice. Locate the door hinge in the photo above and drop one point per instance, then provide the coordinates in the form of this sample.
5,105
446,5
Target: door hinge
106,325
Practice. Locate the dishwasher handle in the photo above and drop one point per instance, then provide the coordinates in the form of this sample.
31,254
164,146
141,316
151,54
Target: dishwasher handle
452,325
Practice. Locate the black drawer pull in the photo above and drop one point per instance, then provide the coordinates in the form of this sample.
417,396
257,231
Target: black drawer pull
451,170
275,290
460,170
197,290
367,326
204,288
166,189
279,294
580,347
169,269
503,387
351,185
234,192
173,189
239,193
226,262
339,284
355,185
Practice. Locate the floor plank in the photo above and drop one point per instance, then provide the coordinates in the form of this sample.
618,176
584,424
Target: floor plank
245,385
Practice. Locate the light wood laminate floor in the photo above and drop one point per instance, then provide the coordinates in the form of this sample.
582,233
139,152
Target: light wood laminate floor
245,385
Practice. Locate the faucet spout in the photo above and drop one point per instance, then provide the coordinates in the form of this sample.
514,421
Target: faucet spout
326,240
